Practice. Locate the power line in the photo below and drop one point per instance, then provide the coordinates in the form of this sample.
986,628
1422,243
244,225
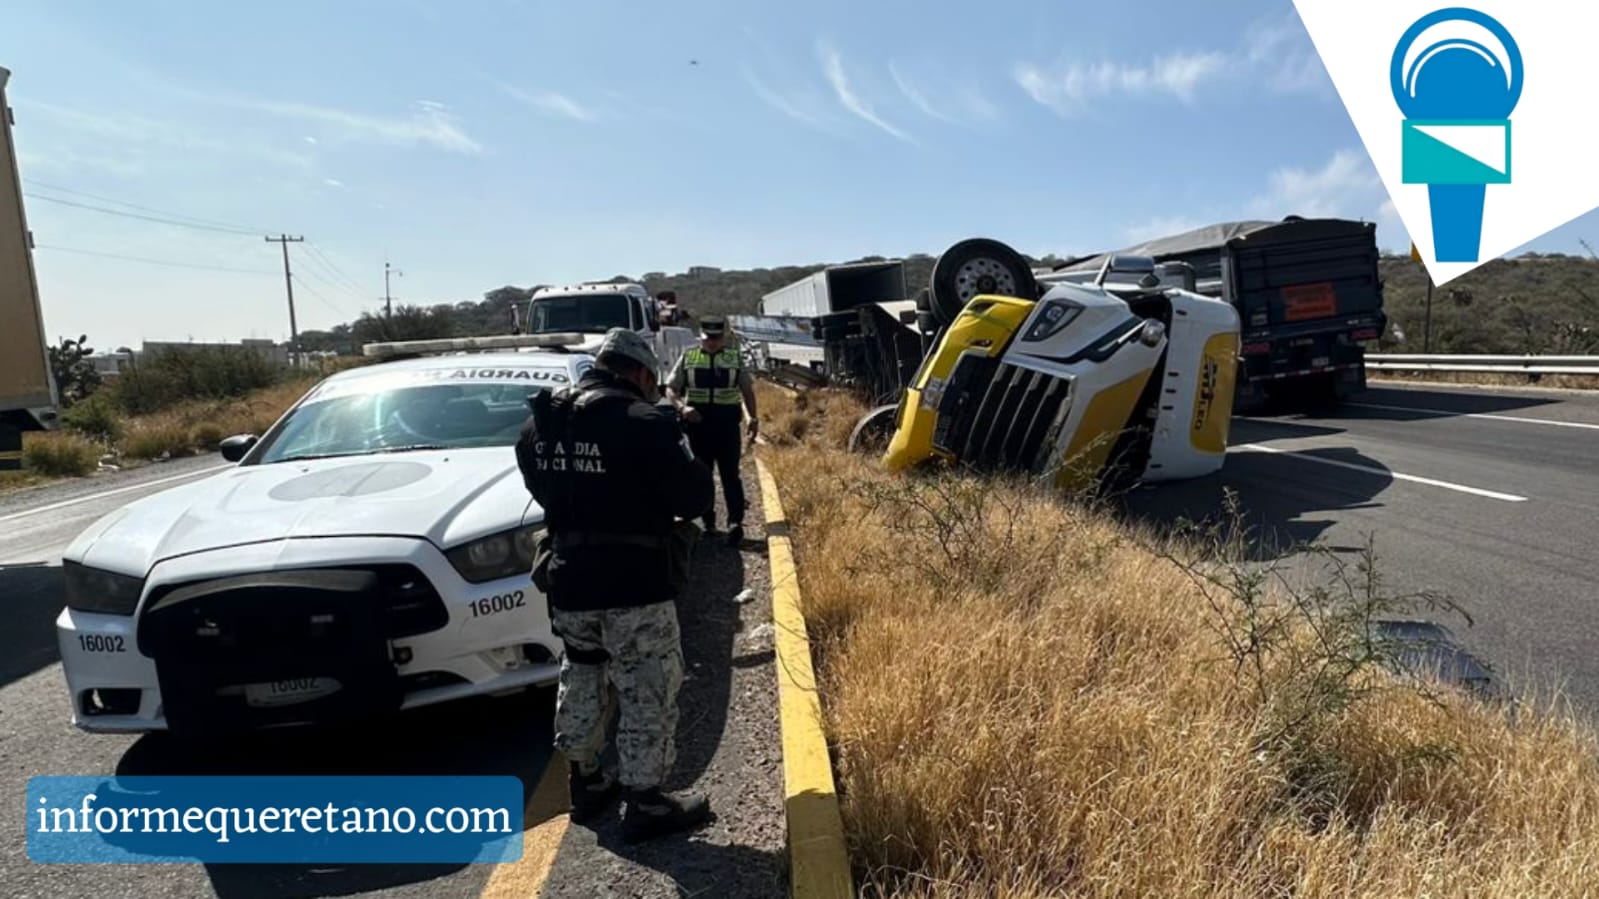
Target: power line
162,212
325,301
326,260
307,272
135,215
210,268
331,279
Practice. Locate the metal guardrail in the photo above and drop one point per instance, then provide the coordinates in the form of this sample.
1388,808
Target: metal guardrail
1529,365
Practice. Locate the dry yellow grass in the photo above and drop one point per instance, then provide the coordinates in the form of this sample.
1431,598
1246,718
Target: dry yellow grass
1031,703
199,425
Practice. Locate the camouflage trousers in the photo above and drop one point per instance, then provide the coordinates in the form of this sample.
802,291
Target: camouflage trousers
639,650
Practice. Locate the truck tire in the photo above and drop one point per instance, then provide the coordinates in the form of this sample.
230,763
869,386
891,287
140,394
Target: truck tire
874,430
974,267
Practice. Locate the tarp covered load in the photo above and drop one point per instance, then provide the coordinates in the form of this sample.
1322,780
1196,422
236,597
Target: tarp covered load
1209,239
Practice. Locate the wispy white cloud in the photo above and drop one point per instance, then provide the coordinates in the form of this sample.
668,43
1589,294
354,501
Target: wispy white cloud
792,107
833,69
1281,55
310,140
116,142
550,103
430,123
1070,88
332,182
1347,186
917,98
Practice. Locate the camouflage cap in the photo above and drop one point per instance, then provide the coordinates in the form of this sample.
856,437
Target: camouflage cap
629,345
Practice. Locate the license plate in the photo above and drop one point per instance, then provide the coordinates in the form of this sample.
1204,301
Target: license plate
289,692
1320,362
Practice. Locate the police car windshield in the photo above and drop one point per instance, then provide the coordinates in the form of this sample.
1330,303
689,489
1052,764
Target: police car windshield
402,419
590,313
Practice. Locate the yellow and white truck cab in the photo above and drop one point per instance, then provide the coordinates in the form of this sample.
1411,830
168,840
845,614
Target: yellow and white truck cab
1126,377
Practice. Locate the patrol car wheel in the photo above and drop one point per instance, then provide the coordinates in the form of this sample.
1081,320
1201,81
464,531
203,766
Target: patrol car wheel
975,267
874,430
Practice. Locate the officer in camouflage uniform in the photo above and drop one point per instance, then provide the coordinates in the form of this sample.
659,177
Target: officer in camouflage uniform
613,472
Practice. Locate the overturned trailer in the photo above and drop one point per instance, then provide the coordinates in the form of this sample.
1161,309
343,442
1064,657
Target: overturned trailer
847,325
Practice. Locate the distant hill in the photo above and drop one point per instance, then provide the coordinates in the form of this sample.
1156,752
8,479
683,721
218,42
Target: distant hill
1531,304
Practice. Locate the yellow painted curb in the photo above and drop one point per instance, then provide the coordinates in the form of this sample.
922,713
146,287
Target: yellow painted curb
818,860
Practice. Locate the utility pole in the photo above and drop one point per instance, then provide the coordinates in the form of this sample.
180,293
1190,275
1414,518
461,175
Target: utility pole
388,301
288,282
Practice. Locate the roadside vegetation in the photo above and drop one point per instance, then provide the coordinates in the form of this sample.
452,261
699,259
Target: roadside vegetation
1028,697
174,404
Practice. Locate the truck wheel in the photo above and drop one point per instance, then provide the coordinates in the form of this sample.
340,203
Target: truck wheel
874,430
975,267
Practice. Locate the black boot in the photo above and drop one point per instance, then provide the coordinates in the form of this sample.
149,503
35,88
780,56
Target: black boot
591,793
650,813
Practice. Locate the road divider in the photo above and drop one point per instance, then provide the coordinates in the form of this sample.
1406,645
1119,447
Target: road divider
818,859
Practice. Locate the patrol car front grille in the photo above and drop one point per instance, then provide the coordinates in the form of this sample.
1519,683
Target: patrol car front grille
1000,420
408,603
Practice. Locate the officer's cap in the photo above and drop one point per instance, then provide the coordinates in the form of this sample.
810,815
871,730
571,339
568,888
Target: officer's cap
629,345
713,327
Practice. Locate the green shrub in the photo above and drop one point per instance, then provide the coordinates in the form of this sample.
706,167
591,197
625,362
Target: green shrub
167,377
97,417
61,454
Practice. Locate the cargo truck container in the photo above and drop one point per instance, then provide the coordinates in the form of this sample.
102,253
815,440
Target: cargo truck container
28,397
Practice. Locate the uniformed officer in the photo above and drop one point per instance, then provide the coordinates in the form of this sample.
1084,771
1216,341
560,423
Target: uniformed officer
612,471
709,385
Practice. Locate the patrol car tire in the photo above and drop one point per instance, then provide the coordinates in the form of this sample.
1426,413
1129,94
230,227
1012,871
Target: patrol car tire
873,431
974,267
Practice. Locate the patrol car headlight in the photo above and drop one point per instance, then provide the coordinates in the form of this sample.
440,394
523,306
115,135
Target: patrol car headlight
497,556
94,590
1051,318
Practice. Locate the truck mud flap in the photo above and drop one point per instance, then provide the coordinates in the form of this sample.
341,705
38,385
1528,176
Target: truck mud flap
220,646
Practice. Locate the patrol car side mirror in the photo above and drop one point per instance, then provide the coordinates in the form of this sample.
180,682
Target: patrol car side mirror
235,447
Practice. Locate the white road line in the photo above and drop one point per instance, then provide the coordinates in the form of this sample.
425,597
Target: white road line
142,485
1461,488
1531,421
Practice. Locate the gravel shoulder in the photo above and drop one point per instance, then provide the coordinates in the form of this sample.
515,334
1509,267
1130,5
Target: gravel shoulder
729,746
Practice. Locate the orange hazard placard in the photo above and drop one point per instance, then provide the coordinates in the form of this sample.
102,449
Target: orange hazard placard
1304,301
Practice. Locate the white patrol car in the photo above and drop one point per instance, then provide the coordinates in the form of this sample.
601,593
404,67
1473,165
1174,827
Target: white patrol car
370,552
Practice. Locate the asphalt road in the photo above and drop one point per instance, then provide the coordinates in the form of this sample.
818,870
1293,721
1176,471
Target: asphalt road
1490,497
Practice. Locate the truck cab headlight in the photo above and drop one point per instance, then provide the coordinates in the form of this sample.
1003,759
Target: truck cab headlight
1152,333
95,590
496,556
1051,317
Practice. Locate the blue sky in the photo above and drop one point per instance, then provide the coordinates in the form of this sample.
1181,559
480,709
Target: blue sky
483,143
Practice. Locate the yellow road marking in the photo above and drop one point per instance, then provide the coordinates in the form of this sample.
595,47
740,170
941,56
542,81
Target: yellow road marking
818,860
544,822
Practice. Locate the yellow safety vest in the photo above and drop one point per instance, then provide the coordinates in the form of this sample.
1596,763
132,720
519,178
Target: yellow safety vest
712,380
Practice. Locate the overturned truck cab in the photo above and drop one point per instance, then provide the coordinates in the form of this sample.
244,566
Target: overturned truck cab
1125,379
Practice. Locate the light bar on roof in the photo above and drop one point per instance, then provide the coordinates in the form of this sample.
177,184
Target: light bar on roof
472,344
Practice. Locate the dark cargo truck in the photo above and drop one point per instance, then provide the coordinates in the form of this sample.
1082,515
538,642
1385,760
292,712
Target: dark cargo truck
1307,293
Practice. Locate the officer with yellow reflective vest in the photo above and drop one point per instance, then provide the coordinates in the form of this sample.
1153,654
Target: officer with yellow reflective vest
709,385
